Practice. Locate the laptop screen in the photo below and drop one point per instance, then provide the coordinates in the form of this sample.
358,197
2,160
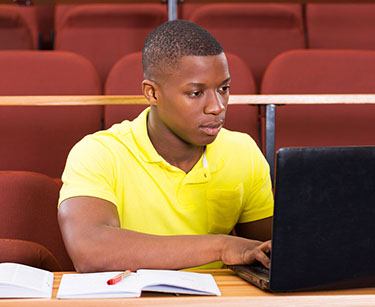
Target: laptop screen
324,218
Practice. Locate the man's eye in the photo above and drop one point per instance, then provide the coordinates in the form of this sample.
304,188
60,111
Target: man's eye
225,88
195,94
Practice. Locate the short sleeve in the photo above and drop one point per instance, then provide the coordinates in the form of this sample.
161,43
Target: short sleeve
89,172
259,200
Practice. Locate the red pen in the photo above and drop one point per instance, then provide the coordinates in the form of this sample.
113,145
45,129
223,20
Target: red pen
118,278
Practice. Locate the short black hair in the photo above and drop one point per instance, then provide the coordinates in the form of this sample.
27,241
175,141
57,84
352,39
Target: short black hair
172,40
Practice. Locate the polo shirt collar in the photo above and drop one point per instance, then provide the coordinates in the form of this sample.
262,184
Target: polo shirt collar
149,154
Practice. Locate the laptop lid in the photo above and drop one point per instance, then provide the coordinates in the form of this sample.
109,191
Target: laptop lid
324,219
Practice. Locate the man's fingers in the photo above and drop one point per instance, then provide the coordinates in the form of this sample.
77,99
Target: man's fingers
245,251
266,247
262,258
259,254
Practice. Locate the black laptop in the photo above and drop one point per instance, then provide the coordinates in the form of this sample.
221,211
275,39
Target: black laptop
324,221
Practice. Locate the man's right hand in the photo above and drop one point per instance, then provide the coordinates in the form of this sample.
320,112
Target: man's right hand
237,250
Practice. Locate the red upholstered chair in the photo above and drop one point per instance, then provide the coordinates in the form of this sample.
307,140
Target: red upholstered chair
242,118
255,32
323,72
29,253
126,77
18,27
60,11
184,10
40,138
341,25
104,33
28,205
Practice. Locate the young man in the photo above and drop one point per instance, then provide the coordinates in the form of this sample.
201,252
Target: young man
165,190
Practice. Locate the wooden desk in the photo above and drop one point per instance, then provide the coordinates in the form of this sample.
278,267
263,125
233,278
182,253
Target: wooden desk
235,292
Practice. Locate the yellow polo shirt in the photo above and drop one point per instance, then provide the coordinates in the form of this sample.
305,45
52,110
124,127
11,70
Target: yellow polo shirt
229,184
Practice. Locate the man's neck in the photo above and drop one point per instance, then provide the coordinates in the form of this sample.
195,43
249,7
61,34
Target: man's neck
174,150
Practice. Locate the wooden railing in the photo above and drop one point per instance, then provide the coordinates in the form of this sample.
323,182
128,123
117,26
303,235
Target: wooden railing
234,99
269,101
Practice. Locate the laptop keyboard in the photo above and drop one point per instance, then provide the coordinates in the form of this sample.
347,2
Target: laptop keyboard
260,269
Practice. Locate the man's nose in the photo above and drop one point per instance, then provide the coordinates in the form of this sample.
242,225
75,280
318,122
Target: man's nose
215,103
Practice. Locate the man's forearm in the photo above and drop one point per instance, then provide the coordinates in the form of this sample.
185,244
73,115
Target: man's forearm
113,248
96,242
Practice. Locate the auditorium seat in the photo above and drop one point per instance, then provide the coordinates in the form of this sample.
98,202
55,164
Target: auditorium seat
28,253
103,33
186,9
323,72
242,118
18,27
255,32
126,77
28,205
39,138
341,25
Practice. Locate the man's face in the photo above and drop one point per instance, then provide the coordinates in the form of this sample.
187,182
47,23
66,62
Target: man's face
192,101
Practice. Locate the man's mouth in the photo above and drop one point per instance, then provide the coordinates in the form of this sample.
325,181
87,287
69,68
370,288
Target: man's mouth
211,128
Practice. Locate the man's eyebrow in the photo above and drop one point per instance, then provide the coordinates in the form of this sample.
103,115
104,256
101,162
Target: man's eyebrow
203,85
226,80
196,84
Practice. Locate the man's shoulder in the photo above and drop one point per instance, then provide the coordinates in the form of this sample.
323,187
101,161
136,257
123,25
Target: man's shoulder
117,132
105,141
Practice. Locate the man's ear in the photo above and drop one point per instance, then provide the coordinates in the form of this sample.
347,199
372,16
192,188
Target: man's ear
149,89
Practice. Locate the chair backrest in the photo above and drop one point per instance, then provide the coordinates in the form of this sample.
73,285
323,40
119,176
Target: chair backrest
323,72
184,10
243,118
104,33
126,77
341,25
255,32
28,253
18,27
39,138
28,205
60,11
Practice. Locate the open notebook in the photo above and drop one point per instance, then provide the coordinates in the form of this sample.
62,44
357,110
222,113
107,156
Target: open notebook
94,285
23,281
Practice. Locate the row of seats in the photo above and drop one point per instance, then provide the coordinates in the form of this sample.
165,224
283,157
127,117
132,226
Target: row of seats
29,229
38,138
256,32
